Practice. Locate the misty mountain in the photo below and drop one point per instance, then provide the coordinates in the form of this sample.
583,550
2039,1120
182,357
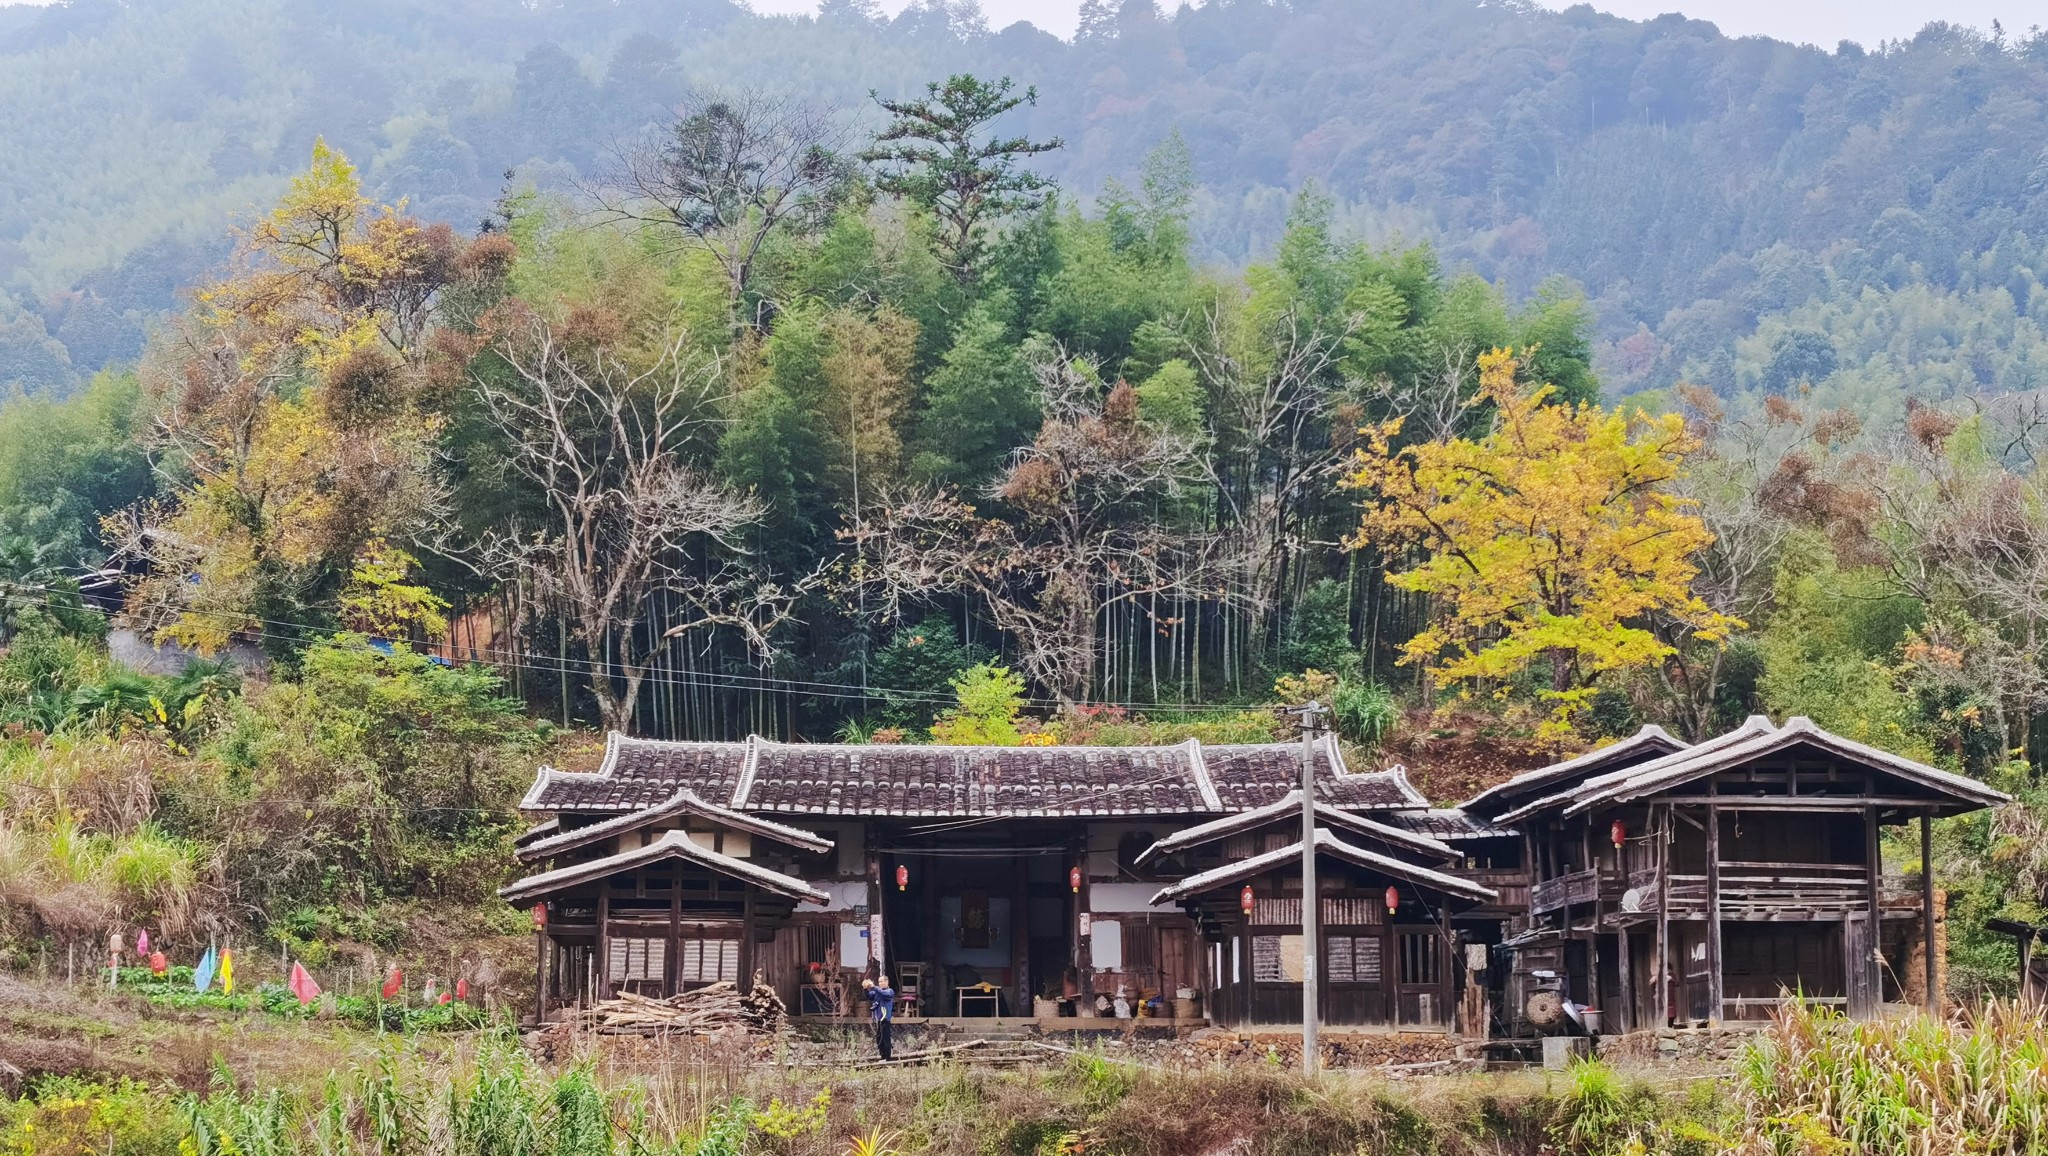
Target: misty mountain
1736,209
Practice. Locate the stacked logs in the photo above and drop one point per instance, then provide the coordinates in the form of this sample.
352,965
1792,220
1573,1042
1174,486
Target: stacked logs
702,1012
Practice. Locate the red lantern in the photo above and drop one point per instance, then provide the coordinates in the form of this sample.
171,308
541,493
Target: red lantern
1393,899
540,916
902,876
1618,833
1074,879
1244,900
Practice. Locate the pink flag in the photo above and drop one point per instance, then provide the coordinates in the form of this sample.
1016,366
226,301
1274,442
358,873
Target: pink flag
302,985
394,983
142,943
461,989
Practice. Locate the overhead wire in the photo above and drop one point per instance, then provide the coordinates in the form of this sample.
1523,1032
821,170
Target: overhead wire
523,660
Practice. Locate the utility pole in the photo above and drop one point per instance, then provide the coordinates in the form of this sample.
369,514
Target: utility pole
1311,716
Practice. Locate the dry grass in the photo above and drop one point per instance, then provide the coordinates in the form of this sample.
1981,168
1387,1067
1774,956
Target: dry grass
1818,1085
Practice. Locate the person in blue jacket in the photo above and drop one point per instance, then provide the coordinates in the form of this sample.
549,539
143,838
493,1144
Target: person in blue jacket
881,1009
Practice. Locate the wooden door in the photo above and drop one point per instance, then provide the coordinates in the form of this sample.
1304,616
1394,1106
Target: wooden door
1859,966
1176,960
1422,977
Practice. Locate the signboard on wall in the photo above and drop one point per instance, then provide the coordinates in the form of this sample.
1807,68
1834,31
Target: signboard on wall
853,945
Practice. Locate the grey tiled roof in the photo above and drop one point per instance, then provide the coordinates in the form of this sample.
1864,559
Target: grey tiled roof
764,777
1451,823
1757,739
800,778
641,773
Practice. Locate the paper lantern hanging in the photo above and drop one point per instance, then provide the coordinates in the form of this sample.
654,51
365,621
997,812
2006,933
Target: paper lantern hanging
1393,899
1244,900
902,877
540,916
1074,879
1618,833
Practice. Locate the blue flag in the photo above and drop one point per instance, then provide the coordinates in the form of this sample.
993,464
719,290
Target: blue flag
202,976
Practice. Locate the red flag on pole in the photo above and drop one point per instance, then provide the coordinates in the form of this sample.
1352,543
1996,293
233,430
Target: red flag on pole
302,985
394,983
461,989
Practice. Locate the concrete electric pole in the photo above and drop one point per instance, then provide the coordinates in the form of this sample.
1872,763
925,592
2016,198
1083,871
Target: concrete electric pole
1311,716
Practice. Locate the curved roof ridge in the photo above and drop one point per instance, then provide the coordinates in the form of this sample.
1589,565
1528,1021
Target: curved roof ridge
1329,844
1751,727
1649,734
673,844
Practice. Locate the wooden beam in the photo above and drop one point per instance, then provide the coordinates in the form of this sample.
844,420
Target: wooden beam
1713,915
1663,994
1852,803
1927,906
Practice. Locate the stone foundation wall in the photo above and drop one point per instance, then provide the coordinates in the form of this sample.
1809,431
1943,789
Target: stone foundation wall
1338,1049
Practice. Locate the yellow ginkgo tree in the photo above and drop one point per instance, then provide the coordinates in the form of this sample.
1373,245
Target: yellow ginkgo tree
294,415
1547,539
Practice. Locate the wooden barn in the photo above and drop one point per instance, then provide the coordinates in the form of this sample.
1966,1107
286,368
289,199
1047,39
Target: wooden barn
1702,884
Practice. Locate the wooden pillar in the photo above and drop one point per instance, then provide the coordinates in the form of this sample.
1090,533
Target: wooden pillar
601,966
877,928
672,967
1625,1017
1084,948
1020,935
1665,829
1927,911
744,978
540,975
1869,978
1714,993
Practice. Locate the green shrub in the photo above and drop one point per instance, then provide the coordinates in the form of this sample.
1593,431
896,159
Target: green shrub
1365,712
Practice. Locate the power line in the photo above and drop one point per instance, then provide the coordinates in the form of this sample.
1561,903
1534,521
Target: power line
522,660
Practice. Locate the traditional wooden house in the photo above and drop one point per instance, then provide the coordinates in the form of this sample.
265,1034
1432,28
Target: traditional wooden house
1387,945
1656,881
1699,885
990,878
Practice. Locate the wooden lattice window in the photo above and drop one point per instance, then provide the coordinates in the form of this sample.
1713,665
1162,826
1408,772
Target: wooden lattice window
1353,959
1421,958
708,961
637,959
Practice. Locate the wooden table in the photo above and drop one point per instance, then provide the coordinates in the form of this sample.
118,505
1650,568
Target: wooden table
976,993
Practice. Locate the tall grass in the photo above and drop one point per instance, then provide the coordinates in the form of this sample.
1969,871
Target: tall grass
1816,1083
76,882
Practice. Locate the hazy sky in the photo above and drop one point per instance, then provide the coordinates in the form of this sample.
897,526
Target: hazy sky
1820,22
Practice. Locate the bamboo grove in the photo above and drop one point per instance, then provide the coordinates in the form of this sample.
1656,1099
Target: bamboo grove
715,441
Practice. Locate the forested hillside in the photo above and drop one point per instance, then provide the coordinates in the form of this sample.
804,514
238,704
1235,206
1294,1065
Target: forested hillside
1737,210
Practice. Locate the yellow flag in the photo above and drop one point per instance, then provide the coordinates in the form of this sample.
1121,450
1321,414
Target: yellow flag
227,972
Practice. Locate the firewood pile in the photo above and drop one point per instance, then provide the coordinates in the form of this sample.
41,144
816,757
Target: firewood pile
705,1011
